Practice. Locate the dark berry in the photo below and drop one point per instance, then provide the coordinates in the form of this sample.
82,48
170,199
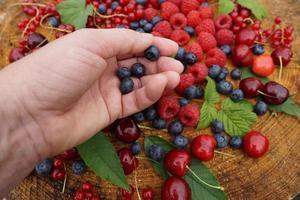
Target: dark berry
78,167
224,87
226,49
180,54
223,74
175,128
114,5
156,152
36,40
127,131
138,70
121,26
140,30
222,140
155,20
175,188
134,25
150,113
190,30
217,126
251,87
143,22
128,161
126,86
236,74
141,2
183,102
260,108
275,93
236,142
190,58
214,71
17,53
148,28
193,92
44,167
159,123
136,148
258,49
123,72
138,117
180,141
53,22
152,53
237,95
102,9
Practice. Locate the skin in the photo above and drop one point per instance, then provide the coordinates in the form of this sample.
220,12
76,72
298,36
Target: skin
64,93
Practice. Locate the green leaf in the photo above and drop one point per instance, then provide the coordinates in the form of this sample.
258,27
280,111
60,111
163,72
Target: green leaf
225,6
244,104
199,190
257,9
211,95
208,114
74,12
246,73
288,107
100,155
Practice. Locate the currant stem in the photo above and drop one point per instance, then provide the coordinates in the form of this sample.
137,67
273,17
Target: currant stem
26,4
30,21
207,184
109,16
280,68
65,180
50,27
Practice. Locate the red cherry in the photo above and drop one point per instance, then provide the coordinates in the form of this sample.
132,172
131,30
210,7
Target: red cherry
277,20
175,188
255,144
36,40
147,194
128,161
245,36
79,195
176,162
251,87
242,55
127,131
58,163
203,147
58,174
275,93
263,65
285,53
87,186
17,53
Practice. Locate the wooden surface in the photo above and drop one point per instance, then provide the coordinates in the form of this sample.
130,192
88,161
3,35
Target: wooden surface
276,176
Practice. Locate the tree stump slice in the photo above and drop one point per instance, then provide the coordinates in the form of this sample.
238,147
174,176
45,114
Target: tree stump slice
274,176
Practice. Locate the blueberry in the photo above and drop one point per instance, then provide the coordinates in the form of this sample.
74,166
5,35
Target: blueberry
193,92
258,49
102,9
44,167
190,30
152,53
161,1
138,70
223,74
141,2
143,22
183,102
222,140
138,117
155,20
190,58
114,5
150,113
180,54
260,108
236,142
123,72
226,49
214,71
236,74
159,123
148,27
78,167
156,152
134,25
217,126
53,21
140,30
175,128
237,95
180,141
126,85
224,87
136,148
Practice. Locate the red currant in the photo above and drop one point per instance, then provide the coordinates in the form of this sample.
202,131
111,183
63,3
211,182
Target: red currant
127,194
58,174
79,195
245,13
277,20
148,194
58,163
255,144
176,162
87,186
203,147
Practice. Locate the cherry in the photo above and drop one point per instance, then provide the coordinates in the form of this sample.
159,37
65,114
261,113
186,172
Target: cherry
87,186
263,65
251,87
36,40
245,36
128,161
69,154
285,53
147,194
176,162
175,188
275,93
79,195
58,174
17,53
242,55
127,131
255,144
203,147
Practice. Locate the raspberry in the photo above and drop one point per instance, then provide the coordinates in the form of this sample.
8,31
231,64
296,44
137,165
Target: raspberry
207,41
186,80
195,48
199,72
223,22
215,56
193,18
176,2
224,36
188,5
180,36
207,25
167,9
149,13
178,21
206,12
168,107
189,115
164,28
157,34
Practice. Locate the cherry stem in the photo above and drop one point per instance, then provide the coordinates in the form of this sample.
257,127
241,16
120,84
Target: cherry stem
65,180
280,68
225,154
149,159
109,16
151,129
30,21
264,94
202,181
50,27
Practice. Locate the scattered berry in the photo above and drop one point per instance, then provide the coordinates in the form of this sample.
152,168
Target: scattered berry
17,53
226,49
236,142
127,131
193,92
168,107
167,9
206,12
128,161
223,22
284,53
180,37
251,87
224,36
180,141
206,25
36,40
53,21
138,70
180,54
260,108
190,58
156,152
199,71
164,28
274,93
152,53
195,48
189,115
203,146
155,20
58,174
183,102
136,148
207,41
222,140
217,126
263,65
78,167
190,30
186,80
44,167
214,71
150,113
175,188
245,36
150,13
159,123
178,21
236,74
189,5
255,144
237,95
126,85
258,49
224,87
175,128
242,55
123,72
223,74
138,117
147,194
215,56
193,18
176,162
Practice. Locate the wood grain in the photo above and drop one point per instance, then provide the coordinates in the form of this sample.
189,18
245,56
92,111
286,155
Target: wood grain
275,176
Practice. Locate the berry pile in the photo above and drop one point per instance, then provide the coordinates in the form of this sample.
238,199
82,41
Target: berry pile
85,192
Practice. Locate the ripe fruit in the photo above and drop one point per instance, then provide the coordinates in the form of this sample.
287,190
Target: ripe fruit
159,123
176,162
87,186
180,37
126,85
152,53
167,9
260,108
207,41
203,147
258,49
127,131
236,74
178,21
17,53
138,117
156,152
222,140
35,40
138,70
44,167
58,174
193,92
78,167
242,55
251,87
263,65
237,95
175,188
215,56
136,148
183,102
206,25
214,71
223,22
164,28
285,53
189,115
224,36
193,18
180,141
150,113
245,36
217,126
175,128
168,107
226,49
190,58
128,161
190,30
195,48
236,142
188,5
224,87
223,74
186,80
123,72
274,93
147,194
255,144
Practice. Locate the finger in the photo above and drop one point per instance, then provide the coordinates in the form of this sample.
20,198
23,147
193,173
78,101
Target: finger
163,64
173,80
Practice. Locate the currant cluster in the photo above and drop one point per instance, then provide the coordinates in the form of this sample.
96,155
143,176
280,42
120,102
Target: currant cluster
85,192
146,194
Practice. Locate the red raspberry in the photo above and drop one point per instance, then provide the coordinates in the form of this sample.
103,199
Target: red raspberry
180,36
149,13
215,57
207,41
167,9
193,18
224,36
176,2
199,72
186,80
168,107
157,34
206,25
223,22
178,21
195,48
164,28
188,5
206,12
189,115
